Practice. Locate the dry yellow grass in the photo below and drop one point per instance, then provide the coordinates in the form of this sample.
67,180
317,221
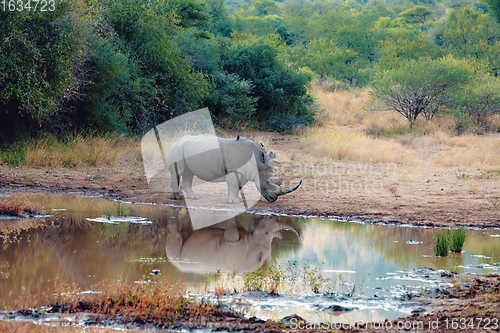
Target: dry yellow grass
24,327
80,151
338,143
480,151
18,207
342,111
340,107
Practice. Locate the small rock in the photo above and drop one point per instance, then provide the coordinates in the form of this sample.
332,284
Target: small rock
288,319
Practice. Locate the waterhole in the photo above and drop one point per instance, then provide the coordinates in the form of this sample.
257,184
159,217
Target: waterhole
328,271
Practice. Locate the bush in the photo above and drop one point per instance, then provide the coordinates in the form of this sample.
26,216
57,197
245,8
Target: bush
231,101
280,91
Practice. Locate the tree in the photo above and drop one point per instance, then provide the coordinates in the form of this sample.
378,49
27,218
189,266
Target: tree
494,6
421,86
148,31
417,14
400,41
480,100
220,25
329,60
280,91
41,62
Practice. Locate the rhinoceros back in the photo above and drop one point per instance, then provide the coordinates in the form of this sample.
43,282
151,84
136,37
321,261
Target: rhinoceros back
208,157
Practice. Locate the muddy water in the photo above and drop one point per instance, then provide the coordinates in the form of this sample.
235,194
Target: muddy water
370,270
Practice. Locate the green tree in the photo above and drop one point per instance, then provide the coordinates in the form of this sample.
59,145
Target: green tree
417,14
41,62
220,24
280,91
470,34
422,86
480,99
148,31
329,60
494,6
400,41
191,13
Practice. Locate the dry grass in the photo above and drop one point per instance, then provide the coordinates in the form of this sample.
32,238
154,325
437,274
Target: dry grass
340,107
339,144
157,302
18,207
20,327
384,136
481,151
51,152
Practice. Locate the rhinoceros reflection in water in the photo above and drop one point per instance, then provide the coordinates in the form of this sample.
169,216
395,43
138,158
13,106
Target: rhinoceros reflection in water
211,249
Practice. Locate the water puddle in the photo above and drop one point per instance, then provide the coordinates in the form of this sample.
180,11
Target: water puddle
333,271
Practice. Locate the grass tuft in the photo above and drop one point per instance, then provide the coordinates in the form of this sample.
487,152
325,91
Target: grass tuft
457,240
441,245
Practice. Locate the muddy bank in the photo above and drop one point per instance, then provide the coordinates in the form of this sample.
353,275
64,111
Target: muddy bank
471,305
410,207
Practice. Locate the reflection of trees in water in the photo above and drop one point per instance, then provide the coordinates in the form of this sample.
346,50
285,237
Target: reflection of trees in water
82,252
391,242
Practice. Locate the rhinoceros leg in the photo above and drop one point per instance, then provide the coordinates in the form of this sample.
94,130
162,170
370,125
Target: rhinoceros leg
233,188
175,175
187,184
174,240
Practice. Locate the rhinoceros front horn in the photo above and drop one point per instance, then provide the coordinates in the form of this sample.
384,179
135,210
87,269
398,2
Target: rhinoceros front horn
289,190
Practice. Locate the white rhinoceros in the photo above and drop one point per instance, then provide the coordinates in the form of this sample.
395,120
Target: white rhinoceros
210,249
235,161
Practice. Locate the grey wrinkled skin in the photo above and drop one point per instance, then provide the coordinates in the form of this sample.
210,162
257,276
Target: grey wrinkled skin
235,161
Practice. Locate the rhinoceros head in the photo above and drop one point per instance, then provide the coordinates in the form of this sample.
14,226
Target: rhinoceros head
267,184
259,250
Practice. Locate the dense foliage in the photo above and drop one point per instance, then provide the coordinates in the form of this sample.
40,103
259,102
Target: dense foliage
126,65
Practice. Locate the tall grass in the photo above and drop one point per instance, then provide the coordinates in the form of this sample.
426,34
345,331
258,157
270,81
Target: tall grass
349,144
77,150
441,245
449,241
457,240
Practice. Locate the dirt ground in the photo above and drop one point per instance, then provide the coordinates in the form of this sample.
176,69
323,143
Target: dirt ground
420,193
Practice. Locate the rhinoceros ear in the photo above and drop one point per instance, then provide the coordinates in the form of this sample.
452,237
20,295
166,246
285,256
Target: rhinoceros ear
262,157
238,137
272,155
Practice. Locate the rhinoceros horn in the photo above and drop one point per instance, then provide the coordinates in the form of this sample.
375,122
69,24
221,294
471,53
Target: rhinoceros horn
288,190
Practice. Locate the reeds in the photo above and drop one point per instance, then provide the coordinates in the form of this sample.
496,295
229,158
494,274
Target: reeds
449,241
158,302
457,240
441,245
